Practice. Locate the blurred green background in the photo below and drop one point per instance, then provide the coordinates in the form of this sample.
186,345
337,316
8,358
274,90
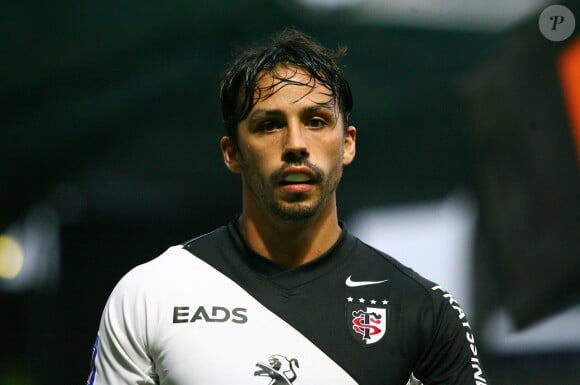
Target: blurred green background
109,138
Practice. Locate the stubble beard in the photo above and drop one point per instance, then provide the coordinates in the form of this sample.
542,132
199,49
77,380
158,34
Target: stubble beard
301,208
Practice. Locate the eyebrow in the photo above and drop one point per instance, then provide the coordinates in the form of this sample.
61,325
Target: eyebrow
259,113
322,106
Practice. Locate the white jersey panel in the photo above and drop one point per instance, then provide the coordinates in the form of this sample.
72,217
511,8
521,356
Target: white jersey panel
176,320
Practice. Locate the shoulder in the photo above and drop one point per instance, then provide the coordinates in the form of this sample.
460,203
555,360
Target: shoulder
414,293
399,274
176,262
210,238
180,269
155,273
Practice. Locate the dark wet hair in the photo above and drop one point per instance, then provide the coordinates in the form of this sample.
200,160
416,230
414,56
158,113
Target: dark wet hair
289,47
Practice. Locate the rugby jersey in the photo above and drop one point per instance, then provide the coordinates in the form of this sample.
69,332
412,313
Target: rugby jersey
214,312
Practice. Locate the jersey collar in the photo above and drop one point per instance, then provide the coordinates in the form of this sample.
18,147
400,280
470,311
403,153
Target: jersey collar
292,277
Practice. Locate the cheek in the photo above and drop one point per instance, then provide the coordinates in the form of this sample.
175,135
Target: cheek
258,160
332,152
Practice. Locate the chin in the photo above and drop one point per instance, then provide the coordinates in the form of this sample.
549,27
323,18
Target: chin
296,211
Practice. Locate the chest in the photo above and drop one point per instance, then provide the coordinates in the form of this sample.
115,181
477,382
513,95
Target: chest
226,334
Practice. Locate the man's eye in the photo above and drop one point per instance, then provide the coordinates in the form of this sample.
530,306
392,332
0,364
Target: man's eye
268,125
316,122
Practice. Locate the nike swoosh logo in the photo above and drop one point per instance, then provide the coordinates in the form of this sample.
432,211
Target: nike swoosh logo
350,283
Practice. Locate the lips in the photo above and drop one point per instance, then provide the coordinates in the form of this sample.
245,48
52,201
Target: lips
297,180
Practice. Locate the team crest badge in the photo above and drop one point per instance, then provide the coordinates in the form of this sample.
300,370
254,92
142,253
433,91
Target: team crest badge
367,320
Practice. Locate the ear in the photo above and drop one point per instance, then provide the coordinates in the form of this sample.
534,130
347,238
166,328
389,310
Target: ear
231,155
349,146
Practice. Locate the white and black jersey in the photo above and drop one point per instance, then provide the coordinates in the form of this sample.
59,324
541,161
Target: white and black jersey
213,312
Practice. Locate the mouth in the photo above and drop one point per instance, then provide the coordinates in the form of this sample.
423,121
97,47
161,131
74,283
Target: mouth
298,179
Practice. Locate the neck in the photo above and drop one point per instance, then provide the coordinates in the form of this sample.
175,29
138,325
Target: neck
291,243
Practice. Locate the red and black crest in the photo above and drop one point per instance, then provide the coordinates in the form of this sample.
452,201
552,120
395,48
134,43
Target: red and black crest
367,320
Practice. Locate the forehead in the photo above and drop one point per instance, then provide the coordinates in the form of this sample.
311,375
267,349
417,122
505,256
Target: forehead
290,84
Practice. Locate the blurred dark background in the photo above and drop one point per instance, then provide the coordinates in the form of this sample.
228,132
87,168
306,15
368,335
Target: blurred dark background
109,151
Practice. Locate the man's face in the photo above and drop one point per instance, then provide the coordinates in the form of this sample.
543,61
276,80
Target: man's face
291,147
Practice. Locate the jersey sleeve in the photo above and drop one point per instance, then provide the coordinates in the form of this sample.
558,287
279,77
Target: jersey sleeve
451,356
121,355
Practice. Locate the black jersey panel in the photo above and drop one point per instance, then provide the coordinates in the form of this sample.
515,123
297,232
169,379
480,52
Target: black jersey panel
379,320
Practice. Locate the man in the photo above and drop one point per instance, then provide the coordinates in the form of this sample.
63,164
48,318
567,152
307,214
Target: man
284,294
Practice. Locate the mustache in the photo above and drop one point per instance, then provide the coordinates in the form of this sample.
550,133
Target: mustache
276,176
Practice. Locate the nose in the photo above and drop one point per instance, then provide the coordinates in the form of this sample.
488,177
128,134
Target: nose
295,147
